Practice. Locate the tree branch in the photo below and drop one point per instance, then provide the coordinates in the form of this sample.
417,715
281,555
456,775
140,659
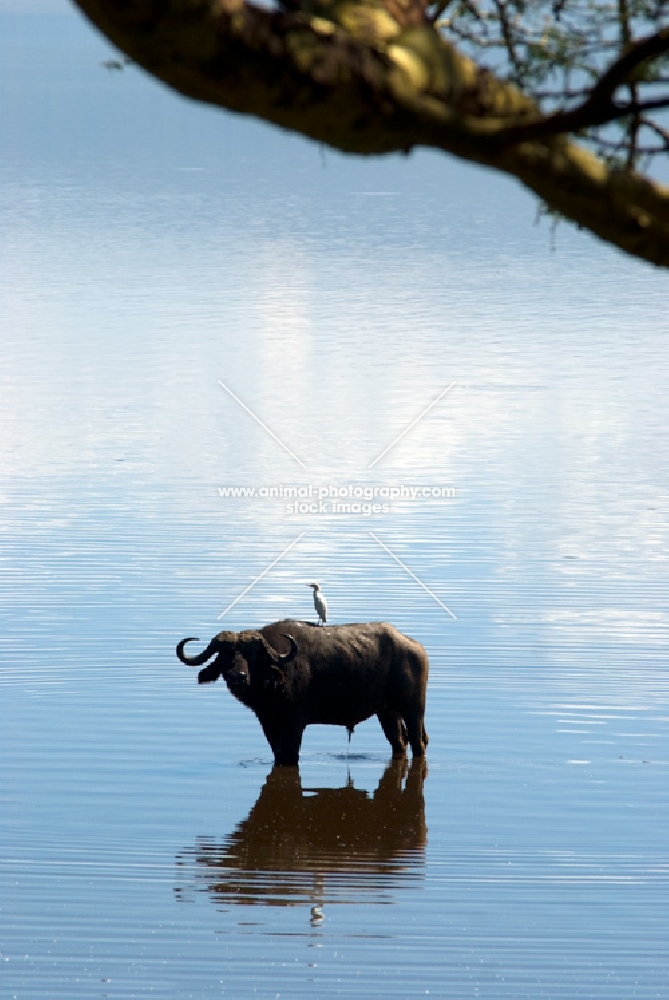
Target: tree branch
367,92
599,108
621,70
507,35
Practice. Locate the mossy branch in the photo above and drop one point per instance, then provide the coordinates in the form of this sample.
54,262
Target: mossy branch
351,77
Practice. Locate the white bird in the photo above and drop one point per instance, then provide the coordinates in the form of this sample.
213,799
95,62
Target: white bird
319,603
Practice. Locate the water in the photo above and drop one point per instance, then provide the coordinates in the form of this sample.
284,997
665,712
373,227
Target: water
152,249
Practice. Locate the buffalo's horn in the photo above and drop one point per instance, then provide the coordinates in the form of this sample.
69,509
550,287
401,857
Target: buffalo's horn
280,657
287,657
197,661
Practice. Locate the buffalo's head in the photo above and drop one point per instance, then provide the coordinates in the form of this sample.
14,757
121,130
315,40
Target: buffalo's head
242,659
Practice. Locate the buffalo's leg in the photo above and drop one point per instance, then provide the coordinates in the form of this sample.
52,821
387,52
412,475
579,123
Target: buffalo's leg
395,731
390,785
417,735
285,739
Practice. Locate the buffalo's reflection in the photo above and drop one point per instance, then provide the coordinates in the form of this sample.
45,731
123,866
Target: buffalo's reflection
316,845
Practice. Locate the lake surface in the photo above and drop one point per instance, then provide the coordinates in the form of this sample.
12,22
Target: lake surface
153,250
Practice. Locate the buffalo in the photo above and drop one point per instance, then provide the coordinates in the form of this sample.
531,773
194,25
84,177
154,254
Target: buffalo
293,674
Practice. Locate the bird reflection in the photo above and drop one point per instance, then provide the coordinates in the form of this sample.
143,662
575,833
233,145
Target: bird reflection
313,846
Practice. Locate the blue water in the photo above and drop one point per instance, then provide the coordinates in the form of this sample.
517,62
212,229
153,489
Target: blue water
152,249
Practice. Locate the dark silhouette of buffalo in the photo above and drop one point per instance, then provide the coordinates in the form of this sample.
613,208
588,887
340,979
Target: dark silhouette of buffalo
293,674
314,846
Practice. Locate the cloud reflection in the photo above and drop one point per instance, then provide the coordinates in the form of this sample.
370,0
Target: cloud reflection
314,846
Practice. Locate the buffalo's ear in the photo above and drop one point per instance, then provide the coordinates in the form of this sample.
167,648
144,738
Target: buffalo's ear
210,673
